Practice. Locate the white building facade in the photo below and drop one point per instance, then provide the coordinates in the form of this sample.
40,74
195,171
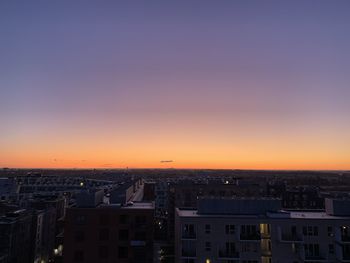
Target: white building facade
252,231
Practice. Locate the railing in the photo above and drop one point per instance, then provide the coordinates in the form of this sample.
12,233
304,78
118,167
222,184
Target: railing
291,238
314,258
252,236
188,253
228,254
265,235
266,252
189,235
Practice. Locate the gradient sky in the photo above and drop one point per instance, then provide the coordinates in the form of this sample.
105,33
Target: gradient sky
207,84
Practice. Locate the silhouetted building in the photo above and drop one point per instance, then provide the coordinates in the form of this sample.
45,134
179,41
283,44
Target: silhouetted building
98,232
16,237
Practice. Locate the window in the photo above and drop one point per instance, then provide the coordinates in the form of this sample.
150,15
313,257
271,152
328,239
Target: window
310,231
141,235
104,220
312,250
207,246
140,220
79,236
78,255
330,231
188,248
123,219
103,252
331,249
245,247
344,231
80,220
123,252
229,229
207,229
249,232
123,234
230,247
188,231
104,234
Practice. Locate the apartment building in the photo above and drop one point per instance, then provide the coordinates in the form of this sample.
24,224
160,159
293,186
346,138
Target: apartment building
16,236
252,231
108,232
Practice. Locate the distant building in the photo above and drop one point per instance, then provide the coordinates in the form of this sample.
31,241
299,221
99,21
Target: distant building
255,231
302,197
149,191
9,189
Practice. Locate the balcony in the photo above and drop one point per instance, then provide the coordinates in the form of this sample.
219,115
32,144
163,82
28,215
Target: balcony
223,254
250,237
291,238
189,235
315,258
265,235
188,253
266,253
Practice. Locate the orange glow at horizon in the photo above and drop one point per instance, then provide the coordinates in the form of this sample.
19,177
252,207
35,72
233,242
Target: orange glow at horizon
199,146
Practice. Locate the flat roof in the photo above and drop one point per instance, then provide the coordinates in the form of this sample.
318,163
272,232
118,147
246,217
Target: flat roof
275,215
139,205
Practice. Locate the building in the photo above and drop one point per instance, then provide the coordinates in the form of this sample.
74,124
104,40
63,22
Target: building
16,237
252,231
9,189
96,231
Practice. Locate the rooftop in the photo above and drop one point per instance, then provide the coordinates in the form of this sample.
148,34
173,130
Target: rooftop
276,215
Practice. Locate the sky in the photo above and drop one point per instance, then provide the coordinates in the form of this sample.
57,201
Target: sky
203,84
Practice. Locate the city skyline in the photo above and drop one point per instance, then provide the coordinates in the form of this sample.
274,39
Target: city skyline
191,84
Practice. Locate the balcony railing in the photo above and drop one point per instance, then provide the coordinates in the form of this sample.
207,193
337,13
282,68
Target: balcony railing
315,258
228,254
189,253
265,235
291,238
189,235
250,236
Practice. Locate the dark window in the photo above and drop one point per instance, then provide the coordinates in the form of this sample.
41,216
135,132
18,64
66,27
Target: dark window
304,231
103,252
330,231
140,235
207,229
123,252
123,219
331,249
140,220
310,231
104,234
230,229
79,236
78,255
123,234
104,220
80,220
207,246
